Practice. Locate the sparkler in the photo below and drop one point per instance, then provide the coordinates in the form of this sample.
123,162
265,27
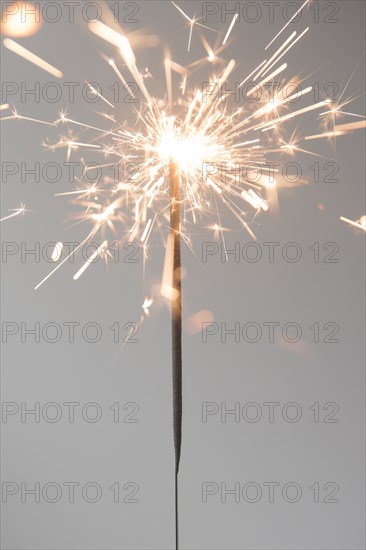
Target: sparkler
176,328
188,147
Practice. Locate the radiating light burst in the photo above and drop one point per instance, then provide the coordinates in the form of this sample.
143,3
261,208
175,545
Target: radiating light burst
197,128
14,212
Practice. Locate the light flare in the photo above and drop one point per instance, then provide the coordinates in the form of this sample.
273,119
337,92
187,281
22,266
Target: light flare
208,139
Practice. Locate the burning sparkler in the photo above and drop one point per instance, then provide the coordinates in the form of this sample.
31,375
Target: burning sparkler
188,146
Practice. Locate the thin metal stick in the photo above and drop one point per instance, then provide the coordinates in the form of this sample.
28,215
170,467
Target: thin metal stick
176,329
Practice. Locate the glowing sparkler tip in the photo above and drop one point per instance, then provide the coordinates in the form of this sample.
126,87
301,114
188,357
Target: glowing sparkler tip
204,143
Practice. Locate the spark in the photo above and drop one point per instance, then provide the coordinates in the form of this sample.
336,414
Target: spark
191,22
146,230
203,135
287,24
97,253
29,56
120,76
360,224
296,113
287,49
95,91
146,305
230,29
340,130
275,55
105,32
15,212
57,251
251,74
16,116
278,71
252,198
214,185
73,253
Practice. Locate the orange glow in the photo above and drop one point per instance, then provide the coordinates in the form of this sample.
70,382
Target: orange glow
193,324
21,19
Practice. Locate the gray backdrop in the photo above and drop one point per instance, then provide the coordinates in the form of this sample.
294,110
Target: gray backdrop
297,484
